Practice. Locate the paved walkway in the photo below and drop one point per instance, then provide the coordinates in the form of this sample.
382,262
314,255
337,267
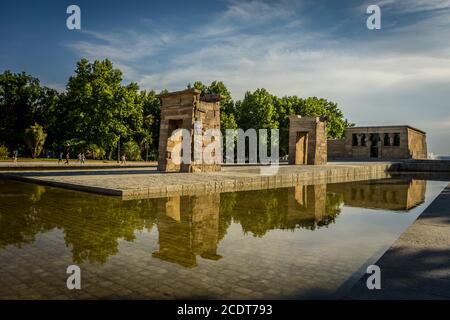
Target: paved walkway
417,266
148,183
73,164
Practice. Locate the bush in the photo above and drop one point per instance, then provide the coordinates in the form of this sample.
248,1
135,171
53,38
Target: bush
35,139
131,150
95,152
76,145
4,153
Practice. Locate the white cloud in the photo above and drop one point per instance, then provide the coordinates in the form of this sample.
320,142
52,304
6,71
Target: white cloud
244,14
401,76
410,6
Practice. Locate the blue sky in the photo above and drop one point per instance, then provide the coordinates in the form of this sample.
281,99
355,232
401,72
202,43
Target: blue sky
397,75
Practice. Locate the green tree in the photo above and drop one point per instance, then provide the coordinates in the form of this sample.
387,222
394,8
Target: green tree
4,153
35,139
131,150
257,110
227,111
309,107
95,152
19,99
336,123
199,86
98,108
148,135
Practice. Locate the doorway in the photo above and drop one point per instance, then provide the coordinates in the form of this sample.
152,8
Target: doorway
173,145
301,148
374,150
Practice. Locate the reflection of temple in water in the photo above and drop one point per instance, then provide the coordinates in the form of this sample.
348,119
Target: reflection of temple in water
388,194
309,207
188,227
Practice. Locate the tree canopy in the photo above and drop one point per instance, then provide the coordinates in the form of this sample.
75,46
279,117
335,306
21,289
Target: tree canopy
97,113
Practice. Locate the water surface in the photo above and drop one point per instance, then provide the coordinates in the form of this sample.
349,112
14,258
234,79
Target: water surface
297,242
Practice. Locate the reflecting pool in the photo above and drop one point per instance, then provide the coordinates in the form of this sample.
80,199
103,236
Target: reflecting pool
298,242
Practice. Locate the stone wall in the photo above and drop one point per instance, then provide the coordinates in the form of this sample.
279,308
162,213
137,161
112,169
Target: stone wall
177,112
390,150
417,144
336,148
208,113
442,166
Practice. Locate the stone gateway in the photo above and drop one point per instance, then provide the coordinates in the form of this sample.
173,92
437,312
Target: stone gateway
182,110
307,140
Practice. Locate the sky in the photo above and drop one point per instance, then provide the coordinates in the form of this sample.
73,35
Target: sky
397,75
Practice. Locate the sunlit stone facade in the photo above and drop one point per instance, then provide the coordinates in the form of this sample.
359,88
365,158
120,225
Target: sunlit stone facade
307,140
384,143
181,110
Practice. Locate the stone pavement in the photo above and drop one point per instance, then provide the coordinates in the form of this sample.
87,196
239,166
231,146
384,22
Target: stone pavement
149,183
417,266
73,164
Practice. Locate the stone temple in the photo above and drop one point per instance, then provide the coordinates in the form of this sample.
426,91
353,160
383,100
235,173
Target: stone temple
308,144
380,143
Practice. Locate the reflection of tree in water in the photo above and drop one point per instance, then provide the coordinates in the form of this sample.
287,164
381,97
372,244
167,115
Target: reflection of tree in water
307,207
37,193
190,226
20,221
333,205
256,213
94,230
92,224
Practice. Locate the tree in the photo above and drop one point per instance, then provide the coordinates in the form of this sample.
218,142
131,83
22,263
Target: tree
95,152
226,102
48,114
19,99
227,110
199,86
4,153
35,139
257,110
131,150
336,123
149,132
98,108
309,107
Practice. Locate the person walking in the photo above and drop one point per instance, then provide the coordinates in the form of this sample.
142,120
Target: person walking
124,160
79,158
60,158
67,158
15,156
83,158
